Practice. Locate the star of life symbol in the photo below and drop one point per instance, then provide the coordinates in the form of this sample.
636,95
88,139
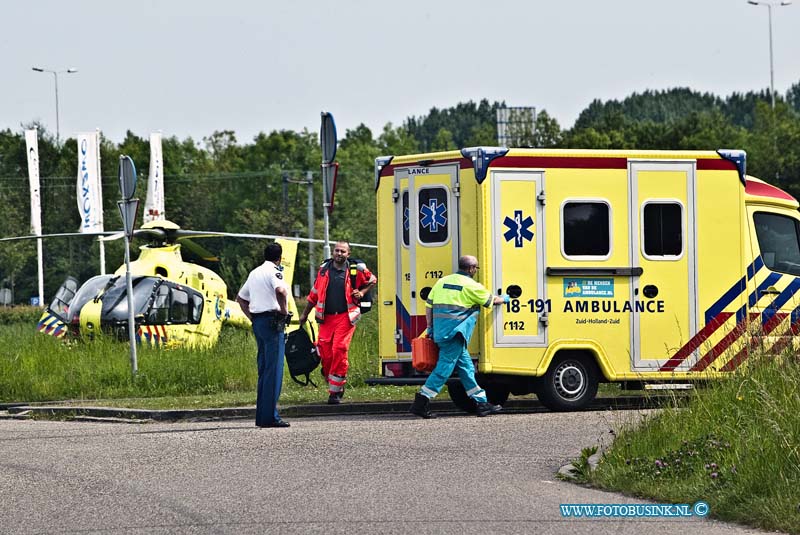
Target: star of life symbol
433,215
406,219
518,228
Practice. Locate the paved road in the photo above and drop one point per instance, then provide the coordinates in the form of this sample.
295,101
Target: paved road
339,474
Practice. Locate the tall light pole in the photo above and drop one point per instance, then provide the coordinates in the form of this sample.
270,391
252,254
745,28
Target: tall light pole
55,77
769,6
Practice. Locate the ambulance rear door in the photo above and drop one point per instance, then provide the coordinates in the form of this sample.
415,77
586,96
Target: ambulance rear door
518,262
427,241
663,250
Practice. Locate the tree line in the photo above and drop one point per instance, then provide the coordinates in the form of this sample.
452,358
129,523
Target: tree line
219,183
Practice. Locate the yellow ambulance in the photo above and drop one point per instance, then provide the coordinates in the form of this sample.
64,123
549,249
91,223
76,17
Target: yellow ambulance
637,267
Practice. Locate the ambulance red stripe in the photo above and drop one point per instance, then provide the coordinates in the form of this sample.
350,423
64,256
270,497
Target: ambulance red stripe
720,348
567,162
689,347
734,363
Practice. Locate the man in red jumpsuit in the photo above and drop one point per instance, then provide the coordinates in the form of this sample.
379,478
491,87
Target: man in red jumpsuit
339,287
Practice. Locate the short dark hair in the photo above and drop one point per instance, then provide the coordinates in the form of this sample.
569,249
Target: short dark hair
273,252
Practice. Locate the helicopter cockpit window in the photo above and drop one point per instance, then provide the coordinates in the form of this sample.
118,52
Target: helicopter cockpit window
179,312
159,312
64,296
115,302
86,293
197,308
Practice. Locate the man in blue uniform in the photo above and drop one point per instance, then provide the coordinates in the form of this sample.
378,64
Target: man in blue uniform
452,313
263,299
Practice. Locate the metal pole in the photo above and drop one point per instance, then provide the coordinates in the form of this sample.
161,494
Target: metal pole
58,130
326,249
40,270
100,197
131,320
771,69
55,78
312,272
769,6
285,191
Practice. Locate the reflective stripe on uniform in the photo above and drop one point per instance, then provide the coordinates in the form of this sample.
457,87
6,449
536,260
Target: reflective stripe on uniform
477,391
336,380
428,393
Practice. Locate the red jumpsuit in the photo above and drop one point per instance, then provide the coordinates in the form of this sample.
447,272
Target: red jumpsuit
336,330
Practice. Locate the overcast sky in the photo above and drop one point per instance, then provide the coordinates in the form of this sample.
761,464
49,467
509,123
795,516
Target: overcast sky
189,68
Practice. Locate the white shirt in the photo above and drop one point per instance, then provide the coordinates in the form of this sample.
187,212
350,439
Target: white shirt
259,289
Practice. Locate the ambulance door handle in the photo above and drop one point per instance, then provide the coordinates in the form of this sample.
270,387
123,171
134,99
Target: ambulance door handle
650,291
413,294
770,290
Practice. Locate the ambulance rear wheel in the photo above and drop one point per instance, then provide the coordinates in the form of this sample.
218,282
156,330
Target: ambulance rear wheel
570,383
460,398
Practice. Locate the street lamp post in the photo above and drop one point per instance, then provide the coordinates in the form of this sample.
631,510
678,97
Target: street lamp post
55,77
769,6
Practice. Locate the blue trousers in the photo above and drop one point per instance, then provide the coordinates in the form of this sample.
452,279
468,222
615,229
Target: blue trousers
453,354
271,344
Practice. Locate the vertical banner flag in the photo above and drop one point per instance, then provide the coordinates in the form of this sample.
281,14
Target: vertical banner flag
154,204
32,145
90,193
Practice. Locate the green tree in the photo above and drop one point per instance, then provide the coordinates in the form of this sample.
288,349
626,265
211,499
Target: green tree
443,140
547,132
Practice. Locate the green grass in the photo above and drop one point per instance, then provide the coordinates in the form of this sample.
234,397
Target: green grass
36,368
735,445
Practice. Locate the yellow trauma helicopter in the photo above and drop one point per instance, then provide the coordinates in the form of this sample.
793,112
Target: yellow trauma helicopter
176,303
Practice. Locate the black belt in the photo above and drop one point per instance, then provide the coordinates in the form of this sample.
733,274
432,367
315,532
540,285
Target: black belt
270,314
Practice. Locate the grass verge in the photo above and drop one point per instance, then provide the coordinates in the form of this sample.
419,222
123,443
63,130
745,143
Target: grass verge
735,445
38,368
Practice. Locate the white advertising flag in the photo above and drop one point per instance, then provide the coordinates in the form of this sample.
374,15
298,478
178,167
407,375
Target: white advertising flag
90,193
32,144
154,204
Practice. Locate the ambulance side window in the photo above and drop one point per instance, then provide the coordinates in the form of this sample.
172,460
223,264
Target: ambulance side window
433,217
662,229
406,219
778,242
586,230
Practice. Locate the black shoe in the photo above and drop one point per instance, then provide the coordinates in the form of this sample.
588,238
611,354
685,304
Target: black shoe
422,407
334,399
486,408
276,423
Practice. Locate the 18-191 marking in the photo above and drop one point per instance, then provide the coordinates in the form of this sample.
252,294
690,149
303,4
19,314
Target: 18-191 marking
535,305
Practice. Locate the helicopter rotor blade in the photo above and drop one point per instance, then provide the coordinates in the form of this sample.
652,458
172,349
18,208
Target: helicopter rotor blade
169,232
112,237
59,235
214,234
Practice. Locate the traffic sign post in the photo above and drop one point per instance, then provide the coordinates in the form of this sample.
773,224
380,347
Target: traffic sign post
327,139
127,209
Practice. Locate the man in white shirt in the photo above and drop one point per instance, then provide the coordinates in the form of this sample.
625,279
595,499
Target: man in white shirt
263,299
